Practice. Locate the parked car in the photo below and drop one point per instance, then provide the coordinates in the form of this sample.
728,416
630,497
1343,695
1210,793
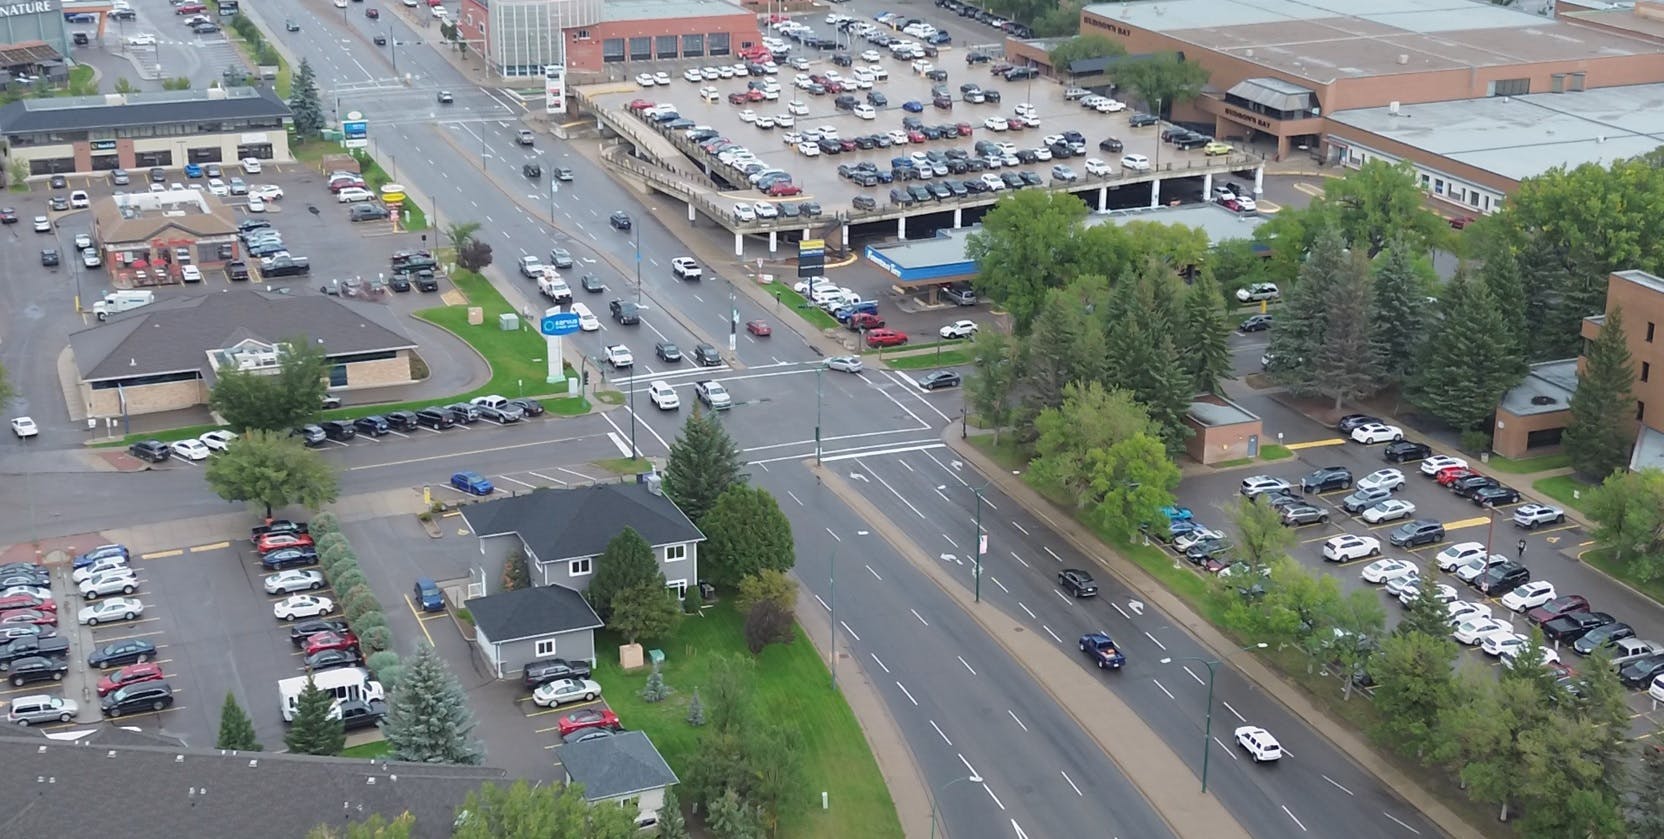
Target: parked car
41,708
550,669
130,651
472,483
136,698
561,691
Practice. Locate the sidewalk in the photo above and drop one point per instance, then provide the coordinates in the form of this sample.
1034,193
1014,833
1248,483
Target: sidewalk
1349,742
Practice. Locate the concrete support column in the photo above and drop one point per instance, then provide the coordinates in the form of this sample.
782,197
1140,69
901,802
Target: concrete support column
773,241
1259,181
692,213
1207,187
901,228
1155,193
739,244
958,217
807,234
844,233
1103,198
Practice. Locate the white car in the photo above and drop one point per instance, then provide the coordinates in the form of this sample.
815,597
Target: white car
1259,743
267,192
797,108
1409,582
1184,541
662,78
1135,163
619,356
1377,433
871,56
1386,570
1532,516
218,187
993,181
710,94
1511,657
561,691
1388,510
744,212
958,329
1097,167
350,195
256,204
692,74
78,200
784,120
922,66
251,165
808,149
106,611
297,606
114,581
765,121
1462,610
192,449
190,274
1441,593
1432,465
646,80
1387,479
24,427
1469,571
996,123
1261,484
1347,547
1498,643
1473,630
143,39
294,580
767,210
44,224
587,321
748,115
664,396
108,563
865,111
1456,555
1529,596
219,440
844,363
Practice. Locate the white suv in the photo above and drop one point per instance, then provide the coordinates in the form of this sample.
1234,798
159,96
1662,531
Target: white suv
1347,547
664,396
685,268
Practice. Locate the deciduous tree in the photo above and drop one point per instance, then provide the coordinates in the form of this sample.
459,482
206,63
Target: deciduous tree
474,256
1261,538
272,470
1380,202
767,622
236,730
768,584
1628,511
989,391
374,827
626,563
546,811
1082,47
312,732
745,532
645,611
250,399
1024,248
1602,427
702,463
1415,686
1162,81
1072,436
428,719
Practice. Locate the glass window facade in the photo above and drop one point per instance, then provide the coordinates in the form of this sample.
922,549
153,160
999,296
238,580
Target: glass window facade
612,50
693,46
641,49
664,46
719,43
525,36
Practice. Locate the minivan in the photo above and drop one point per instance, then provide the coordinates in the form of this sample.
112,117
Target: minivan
119,177
437,419
41,708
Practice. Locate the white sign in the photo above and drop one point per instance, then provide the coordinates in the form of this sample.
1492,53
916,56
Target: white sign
554,89
36,7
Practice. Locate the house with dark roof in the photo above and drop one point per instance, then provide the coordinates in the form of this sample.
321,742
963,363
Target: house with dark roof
166,356
513,628
624,769
167,791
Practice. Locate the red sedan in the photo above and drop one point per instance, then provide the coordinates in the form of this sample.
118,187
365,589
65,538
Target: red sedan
190,9
279,541
885,338
27,601
915,136
1452,474
783,188
864,320
964,129
132,673
34,616
639,105
331,641
759,328
587,718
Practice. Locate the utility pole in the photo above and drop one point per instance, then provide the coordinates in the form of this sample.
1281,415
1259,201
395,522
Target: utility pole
818,371
976,542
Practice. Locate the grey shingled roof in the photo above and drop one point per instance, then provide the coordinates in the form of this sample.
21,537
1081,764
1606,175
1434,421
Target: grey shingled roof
175,334
561,524
532,613
87,113
168,793
621,765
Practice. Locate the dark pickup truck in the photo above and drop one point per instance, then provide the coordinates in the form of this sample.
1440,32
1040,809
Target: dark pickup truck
24,647
285,266
278,526
1102,650
237,270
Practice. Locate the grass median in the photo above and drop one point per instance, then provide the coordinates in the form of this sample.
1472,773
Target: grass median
790,683
1527,465
940,358
803,308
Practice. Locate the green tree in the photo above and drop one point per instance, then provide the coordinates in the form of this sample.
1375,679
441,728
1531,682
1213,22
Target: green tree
1398,304
1628,512
18,169
767,622
236,730
645,611
696,710
1082,47
1073,437
1261,538
428,720
1134,480
626,563
655,690
516,574
123,86
1060,20
1380,202
1425,614
1346,365
1207,349
375,827
304,103
1296,605
702,463
544,811
1602,427
1503,274
8,391
989,390
1646,811
474,256
1563,789
745,532
1161,81
731,817
273,470
1415,686
251,399
459,234
1024,248
1304,320
1055,353
672,824
728,689
768,584
1357,621
1463,373
313,732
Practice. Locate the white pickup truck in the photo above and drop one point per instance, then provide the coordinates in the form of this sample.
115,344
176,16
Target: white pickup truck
553,286
619,355
713,395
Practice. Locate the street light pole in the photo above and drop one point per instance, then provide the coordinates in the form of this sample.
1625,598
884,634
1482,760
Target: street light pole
832,592
973,778
976,542
1207,724
818,371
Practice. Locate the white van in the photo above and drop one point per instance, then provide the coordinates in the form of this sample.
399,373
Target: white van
664,396
117,302
342,683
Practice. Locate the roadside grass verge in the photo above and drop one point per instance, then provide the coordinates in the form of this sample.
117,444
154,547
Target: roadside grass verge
940,358
1601,559
625,465
375,748
1275,452
790,682
801,307
1562,488
1528,465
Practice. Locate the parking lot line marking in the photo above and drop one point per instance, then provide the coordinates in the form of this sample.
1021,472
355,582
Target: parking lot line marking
419,622
549,729
1313,444
1473,522
162,554
547,478
520,482
112,638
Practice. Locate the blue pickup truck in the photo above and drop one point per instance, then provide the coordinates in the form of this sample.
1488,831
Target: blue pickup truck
1102,650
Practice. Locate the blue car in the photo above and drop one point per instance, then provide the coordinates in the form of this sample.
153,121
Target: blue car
99,553
428,596
913,106
1177,513
193,170
472,483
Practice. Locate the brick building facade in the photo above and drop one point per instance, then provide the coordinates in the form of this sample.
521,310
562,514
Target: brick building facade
604,40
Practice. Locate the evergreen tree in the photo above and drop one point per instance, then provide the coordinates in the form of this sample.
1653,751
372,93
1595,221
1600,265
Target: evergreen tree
1164,387
702,463
428,720
1646,811
236,730
645,611
1399,306
655,690
1207,350
1346,365
313,732
672,824
696,710
745,532
1415,687
1049,363
1303,322
1464,372
730,817
1603,411
304,102
626,563
1425,615
1503,275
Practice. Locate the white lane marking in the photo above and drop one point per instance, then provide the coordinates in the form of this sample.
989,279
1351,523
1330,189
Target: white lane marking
991,791
587,478
1193,674
834,534
850,631
887,486
950,541
962,481
518,481
1337,785
998,583
1117,607
968,766
822,603
1158,643
909,695
1030,611
1164,689
919,616
1063,597
1017,721
1296,821
904,465
1239,717
1019,528
1051,633
875,574
1401,824
1227,750
795,498
1020,559
880,663
941,732
1050,551
1071,783
966,663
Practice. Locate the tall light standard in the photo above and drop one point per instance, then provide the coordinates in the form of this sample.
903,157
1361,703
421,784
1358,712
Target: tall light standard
832,593
1207,726
973,778
818,372
976,540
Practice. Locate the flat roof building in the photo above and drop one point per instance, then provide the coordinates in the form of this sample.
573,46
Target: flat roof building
597,40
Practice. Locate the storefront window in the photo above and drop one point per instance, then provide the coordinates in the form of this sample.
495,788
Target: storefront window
693,46
664,46
147,159
719,43
210,154
641,49
51,165
262,151
612,50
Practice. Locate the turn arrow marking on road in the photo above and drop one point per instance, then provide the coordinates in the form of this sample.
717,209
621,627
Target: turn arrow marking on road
1137,606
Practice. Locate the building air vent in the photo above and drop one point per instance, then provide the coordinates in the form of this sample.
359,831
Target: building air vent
1542,400
1403,58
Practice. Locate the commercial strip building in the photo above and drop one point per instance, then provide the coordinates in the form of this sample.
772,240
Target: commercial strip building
33,34
86,134
596,39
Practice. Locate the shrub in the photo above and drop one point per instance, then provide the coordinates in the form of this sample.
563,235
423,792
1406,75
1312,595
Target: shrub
330,554
381,661
390,675
358,601
341,564
1476,441
331,540
325,523
375,639
767,623
375,617
348,577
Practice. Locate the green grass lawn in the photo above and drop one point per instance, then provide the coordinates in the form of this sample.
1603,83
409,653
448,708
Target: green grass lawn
625,465
1527,465
1602,560
1275,452
803,308
791,683
1006,453
1561,487
940,358
367,750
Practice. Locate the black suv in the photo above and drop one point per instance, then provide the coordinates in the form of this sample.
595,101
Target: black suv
550,669
372,425
706,355
1400,451
1472,484
625,312
435,418
1418,532
338,430
1327,478
1502,578
1077,582
1496,496
402,421
154,451
667,351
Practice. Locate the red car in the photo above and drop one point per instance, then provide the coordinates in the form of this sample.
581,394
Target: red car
639,105
864,320
27,601
372,14
885,338
331,641
758,328
124,676
784,188
279,541
587,718
964,129
1231,204
753,96
338,184
1557,607
1452,474
35,616
190,9
1462,221
737,98
915,136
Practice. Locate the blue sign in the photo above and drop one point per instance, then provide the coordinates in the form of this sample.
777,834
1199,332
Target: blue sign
355,129
560,323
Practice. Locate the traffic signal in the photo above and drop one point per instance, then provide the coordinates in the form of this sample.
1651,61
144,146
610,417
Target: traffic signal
586,378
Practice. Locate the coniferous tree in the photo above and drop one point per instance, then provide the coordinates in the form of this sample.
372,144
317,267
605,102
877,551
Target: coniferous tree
1603,411
1501,273
313,732
1463,372
1646,811
304,103
1303,322
1207,350
745,532
702,463
1346,365
672,824
1399,306
428,720
236,730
